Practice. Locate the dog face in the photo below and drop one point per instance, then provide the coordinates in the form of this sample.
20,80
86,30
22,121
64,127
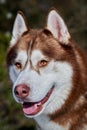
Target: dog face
40,64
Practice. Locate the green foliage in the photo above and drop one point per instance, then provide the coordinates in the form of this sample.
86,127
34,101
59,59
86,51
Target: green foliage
11,116
3,45
36,11
4,40
75,15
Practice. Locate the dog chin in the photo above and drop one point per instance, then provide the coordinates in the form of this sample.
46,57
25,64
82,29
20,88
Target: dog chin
33,109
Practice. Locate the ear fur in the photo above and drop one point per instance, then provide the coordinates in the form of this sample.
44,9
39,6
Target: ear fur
57,27
20,26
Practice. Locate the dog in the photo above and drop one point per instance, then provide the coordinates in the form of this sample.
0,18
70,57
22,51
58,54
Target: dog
49,74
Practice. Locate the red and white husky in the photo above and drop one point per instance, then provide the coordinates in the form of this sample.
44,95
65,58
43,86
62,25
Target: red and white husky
49,74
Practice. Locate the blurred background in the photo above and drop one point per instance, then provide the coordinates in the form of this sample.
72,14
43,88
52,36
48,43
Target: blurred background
74,13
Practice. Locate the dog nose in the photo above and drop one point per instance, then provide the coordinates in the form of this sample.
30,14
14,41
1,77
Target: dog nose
21,90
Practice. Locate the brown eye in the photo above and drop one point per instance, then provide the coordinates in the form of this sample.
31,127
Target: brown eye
18,65
42,63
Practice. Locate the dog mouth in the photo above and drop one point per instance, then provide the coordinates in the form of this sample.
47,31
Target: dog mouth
33,108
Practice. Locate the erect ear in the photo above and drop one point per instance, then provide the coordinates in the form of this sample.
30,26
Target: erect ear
20,26
57,27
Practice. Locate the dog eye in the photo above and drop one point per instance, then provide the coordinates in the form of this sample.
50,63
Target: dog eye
18,65
42,63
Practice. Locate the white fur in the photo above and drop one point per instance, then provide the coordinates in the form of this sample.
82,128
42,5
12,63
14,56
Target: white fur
57,73
57,26
38,56
13,75
21,57
13,71
46,124
41,84
18,29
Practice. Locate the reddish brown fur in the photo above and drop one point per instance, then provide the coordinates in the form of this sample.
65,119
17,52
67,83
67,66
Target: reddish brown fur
74,111
69,113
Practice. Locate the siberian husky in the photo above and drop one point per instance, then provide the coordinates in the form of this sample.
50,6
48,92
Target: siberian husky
49,74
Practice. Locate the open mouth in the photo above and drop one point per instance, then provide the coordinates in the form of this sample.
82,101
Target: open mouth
33,108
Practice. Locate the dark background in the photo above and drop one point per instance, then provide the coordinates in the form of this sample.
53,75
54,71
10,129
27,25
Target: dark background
74,13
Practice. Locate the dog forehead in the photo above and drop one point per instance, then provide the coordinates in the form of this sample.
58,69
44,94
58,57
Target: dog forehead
23,42
36,56
21,56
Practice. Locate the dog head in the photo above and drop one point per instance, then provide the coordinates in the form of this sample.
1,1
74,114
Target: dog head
39,63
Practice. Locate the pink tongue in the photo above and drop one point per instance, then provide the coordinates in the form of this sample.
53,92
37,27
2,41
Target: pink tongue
32,109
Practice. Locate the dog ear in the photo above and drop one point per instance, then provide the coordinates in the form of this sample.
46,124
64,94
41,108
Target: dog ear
57,27
20,26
